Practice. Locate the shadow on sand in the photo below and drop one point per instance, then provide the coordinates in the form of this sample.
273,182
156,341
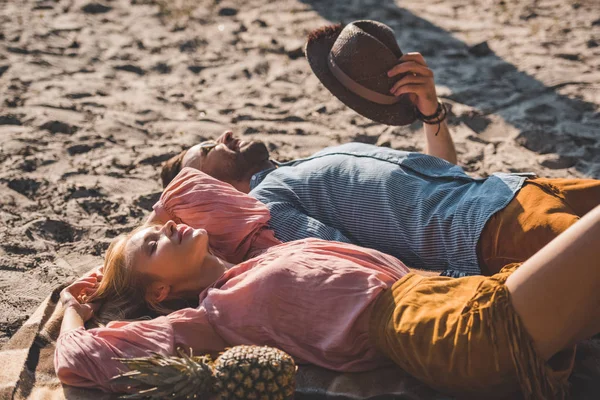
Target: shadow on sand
545,121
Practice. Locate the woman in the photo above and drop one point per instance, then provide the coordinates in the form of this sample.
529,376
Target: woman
345,308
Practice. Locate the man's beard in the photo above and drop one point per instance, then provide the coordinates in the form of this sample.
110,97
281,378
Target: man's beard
250,158
255,154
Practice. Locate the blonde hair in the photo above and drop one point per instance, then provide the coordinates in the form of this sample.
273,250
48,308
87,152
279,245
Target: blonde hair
122,291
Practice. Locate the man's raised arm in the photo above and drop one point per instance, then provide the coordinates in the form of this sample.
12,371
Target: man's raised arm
419,84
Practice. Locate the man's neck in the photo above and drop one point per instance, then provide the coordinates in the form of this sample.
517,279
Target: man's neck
244,184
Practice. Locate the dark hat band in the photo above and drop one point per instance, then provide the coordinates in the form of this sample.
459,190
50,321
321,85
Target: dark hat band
357,88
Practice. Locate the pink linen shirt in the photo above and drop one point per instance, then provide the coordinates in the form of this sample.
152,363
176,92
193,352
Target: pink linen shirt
310,298
236,223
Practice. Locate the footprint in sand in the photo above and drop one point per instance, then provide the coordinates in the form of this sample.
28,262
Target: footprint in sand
25,186
146,201
130,68
95,8
10,119
3,69
539,141
162,68
100,206
79,192
156,159
228,12
83,148
54,230
59,127
556,161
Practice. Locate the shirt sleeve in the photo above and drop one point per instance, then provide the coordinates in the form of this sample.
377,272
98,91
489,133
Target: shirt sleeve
86,357
291,224
236,223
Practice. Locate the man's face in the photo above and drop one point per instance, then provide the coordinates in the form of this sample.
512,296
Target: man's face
228,158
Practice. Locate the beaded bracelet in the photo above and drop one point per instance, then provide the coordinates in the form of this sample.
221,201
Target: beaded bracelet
437,117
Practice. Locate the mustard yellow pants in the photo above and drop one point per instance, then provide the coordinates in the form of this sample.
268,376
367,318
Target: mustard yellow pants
540,211
463,337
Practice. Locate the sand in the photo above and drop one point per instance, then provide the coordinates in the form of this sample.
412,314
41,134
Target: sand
94,95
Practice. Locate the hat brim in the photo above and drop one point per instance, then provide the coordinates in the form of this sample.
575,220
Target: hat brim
317,50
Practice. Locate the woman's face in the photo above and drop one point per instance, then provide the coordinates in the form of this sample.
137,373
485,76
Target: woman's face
171,253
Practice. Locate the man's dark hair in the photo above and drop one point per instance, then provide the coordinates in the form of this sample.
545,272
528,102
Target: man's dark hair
171,168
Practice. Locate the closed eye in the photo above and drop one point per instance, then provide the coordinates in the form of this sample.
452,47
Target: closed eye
153,245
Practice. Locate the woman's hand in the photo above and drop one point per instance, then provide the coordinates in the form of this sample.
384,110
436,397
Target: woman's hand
418,82
75,295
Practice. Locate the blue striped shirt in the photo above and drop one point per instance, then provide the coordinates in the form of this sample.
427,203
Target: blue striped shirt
421,209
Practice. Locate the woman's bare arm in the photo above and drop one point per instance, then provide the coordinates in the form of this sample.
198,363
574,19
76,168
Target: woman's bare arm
77,312
556,292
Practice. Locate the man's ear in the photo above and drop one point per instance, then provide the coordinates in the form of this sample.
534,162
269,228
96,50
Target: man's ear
158,292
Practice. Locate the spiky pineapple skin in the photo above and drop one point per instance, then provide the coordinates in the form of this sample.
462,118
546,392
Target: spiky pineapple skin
254,372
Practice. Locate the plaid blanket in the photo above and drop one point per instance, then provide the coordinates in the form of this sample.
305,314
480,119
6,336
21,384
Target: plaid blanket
27,370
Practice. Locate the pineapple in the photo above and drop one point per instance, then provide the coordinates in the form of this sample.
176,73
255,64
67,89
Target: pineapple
241,372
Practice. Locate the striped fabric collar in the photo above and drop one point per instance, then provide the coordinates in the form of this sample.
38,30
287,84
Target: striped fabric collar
259,176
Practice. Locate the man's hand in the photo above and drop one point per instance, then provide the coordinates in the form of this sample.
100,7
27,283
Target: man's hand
417,82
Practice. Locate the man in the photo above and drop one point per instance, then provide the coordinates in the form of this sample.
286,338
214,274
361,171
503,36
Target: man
421,208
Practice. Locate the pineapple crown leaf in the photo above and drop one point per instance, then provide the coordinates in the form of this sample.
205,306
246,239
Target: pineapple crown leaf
159,377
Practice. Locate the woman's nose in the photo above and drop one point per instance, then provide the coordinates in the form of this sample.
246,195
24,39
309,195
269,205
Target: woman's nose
168,227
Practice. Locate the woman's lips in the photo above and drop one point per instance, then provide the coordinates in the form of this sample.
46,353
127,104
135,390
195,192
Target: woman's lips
182,231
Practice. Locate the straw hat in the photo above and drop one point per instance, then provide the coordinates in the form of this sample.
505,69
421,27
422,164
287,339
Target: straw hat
352,62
